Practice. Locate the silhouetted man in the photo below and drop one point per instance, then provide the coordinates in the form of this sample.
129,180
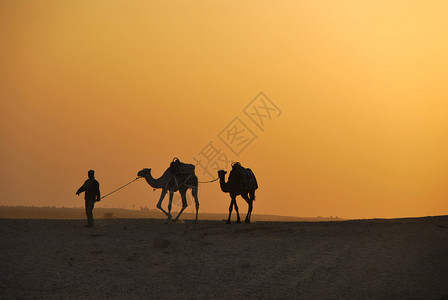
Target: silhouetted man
91,187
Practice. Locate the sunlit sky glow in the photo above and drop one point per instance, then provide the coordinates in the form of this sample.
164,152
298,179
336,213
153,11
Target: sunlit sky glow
118,86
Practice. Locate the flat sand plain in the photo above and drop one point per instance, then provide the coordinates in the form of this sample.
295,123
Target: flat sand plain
146,258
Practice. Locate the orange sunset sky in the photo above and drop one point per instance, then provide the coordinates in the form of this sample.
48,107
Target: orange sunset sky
116,86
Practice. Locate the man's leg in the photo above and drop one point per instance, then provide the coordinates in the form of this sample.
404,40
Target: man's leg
89,212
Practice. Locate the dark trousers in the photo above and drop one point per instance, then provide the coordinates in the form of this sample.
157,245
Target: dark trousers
89,211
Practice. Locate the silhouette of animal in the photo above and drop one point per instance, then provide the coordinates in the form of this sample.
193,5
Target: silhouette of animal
242,182
178,177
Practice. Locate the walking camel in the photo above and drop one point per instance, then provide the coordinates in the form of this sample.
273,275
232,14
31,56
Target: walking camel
178,177
242,182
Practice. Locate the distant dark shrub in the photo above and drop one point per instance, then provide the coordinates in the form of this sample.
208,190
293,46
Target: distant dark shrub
109,215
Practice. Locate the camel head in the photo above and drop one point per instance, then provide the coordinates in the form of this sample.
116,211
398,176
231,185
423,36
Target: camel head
221,173
144,173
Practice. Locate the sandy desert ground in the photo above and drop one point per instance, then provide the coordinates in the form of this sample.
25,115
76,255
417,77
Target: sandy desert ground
145,258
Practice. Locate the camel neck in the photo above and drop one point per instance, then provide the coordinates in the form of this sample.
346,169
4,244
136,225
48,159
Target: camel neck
160,182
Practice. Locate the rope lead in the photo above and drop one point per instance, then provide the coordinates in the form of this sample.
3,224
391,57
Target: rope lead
208,181
154,189
120,187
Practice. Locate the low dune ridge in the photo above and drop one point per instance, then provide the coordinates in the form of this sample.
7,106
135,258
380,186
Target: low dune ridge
146,258
31,212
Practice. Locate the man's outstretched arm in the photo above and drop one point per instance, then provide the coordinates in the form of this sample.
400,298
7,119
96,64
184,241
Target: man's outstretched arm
83,188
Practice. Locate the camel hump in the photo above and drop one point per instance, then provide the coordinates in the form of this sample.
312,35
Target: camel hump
243,175
250,180
178,167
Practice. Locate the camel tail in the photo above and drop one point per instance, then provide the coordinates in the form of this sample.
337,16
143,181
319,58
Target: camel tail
252,195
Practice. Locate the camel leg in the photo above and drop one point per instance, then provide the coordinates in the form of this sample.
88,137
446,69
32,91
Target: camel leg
183,194
238,220
159,205
194,191
252,199
230,211
233,203
249,200
170,204
251,204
